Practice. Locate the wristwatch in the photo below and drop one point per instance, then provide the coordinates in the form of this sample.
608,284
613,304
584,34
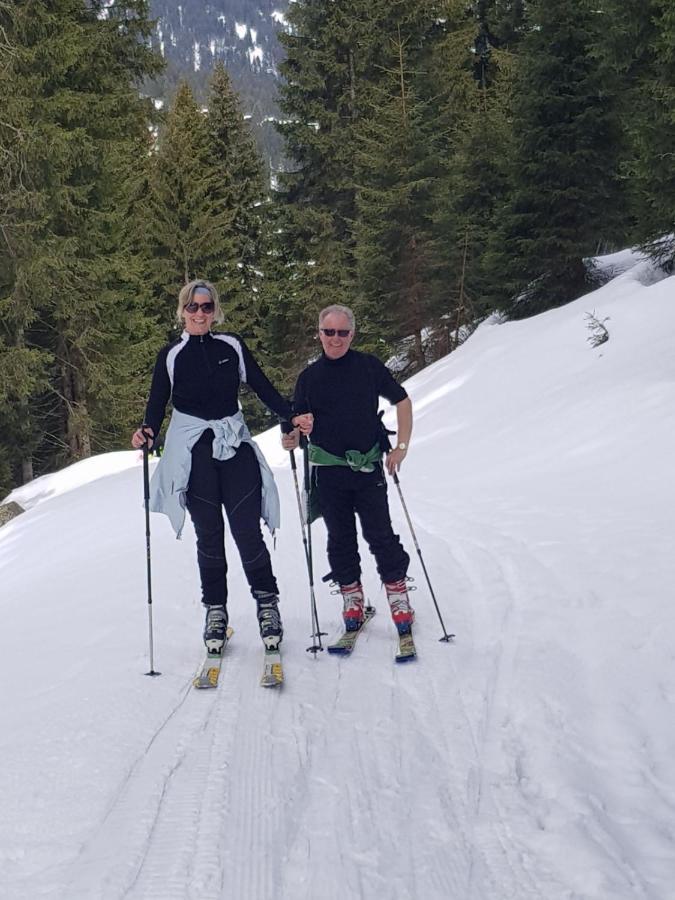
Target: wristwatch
402,446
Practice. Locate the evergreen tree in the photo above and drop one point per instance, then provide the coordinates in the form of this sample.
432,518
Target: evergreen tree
241,181
397,168
319,102
185,220
478,74
565,184
337,75
638,48
74,113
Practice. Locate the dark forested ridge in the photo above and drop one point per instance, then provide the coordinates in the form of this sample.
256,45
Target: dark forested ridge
192,36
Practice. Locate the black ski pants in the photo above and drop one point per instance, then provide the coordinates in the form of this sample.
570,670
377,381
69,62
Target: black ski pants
236,484
344,494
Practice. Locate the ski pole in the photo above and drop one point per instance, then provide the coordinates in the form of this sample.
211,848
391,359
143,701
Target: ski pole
316,632
146,497
446,637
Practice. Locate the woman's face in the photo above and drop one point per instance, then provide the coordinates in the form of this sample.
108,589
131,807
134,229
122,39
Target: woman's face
198,313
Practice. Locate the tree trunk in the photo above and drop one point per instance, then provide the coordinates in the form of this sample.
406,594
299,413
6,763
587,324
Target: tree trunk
27,469
412,300
77,421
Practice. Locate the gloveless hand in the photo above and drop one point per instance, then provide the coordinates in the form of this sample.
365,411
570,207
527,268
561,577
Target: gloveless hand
305,422
394,459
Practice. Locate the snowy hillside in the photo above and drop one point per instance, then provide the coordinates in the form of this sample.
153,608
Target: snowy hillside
532,758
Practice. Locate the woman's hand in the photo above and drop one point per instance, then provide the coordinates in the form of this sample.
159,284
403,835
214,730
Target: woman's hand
305,422
143,435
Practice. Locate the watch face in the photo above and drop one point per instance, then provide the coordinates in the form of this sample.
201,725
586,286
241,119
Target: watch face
402,446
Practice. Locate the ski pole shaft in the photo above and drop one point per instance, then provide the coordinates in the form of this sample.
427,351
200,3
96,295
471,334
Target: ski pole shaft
294,469
146,497
316,628
446,637
307,545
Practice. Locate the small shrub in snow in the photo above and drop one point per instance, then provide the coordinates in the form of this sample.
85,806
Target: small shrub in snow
599,333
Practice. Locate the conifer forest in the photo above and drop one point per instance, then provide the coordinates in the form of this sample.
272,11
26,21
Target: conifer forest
442,160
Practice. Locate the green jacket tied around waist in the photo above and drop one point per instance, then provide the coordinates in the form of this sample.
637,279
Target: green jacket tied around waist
355,459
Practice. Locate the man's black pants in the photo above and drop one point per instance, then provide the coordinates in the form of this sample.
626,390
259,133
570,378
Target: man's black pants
343,494
236,484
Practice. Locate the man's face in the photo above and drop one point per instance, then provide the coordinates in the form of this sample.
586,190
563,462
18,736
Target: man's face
335,346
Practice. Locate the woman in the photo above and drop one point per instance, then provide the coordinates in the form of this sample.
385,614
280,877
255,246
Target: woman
210,461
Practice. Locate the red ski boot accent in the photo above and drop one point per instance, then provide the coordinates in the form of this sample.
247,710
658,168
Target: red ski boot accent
399,603
352,605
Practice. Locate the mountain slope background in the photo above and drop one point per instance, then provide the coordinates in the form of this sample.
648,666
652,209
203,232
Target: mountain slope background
192,37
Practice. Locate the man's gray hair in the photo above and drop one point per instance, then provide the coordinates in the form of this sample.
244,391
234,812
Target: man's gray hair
338,310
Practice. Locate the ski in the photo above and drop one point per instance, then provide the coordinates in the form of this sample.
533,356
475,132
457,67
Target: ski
273,673
406,648
207,677
345,643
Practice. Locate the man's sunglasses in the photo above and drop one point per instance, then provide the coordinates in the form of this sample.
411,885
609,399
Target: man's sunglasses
193,306
331,332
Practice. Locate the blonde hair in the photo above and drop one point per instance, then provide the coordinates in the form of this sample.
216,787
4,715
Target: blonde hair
187,293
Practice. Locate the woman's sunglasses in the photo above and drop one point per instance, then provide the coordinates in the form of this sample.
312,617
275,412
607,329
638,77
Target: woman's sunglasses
193,307
331,332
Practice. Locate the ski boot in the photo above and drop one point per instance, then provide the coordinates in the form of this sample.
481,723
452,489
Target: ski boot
352,605
215,628
399,604
269,619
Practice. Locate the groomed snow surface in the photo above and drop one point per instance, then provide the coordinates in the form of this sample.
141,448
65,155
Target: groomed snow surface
533,758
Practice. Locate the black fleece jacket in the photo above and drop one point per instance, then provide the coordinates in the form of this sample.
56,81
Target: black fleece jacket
343,395
207,372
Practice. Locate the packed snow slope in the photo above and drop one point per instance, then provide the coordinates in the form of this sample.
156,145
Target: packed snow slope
531,758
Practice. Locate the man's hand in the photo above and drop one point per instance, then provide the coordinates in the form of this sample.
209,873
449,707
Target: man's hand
394,459
291,440
143,435
304,422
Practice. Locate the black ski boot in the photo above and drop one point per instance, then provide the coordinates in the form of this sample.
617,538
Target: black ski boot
269,619
215,628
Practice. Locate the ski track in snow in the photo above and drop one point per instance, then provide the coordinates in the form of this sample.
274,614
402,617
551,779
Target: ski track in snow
250,793
149,840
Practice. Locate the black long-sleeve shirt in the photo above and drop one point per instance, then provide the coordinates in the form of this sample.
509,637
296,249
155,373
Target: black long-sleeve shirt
201,374
343,395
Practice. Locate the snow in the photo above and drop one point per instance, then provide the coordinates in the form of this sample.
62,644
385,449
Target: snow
531,758
255,55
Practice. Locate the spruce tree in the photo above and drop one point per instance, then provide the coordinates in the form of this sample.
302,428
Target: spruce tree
397,169
565,187
476,69
637,46
655,169
337,81
185,220
331,52
73,81
241,182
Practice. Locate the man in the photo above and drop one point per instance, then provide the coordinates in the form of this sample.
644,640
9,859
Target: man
342,390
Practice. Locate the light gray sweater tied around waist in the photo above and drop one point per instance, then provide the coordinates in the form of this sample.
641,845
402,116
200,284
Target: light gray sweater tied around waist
171,477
